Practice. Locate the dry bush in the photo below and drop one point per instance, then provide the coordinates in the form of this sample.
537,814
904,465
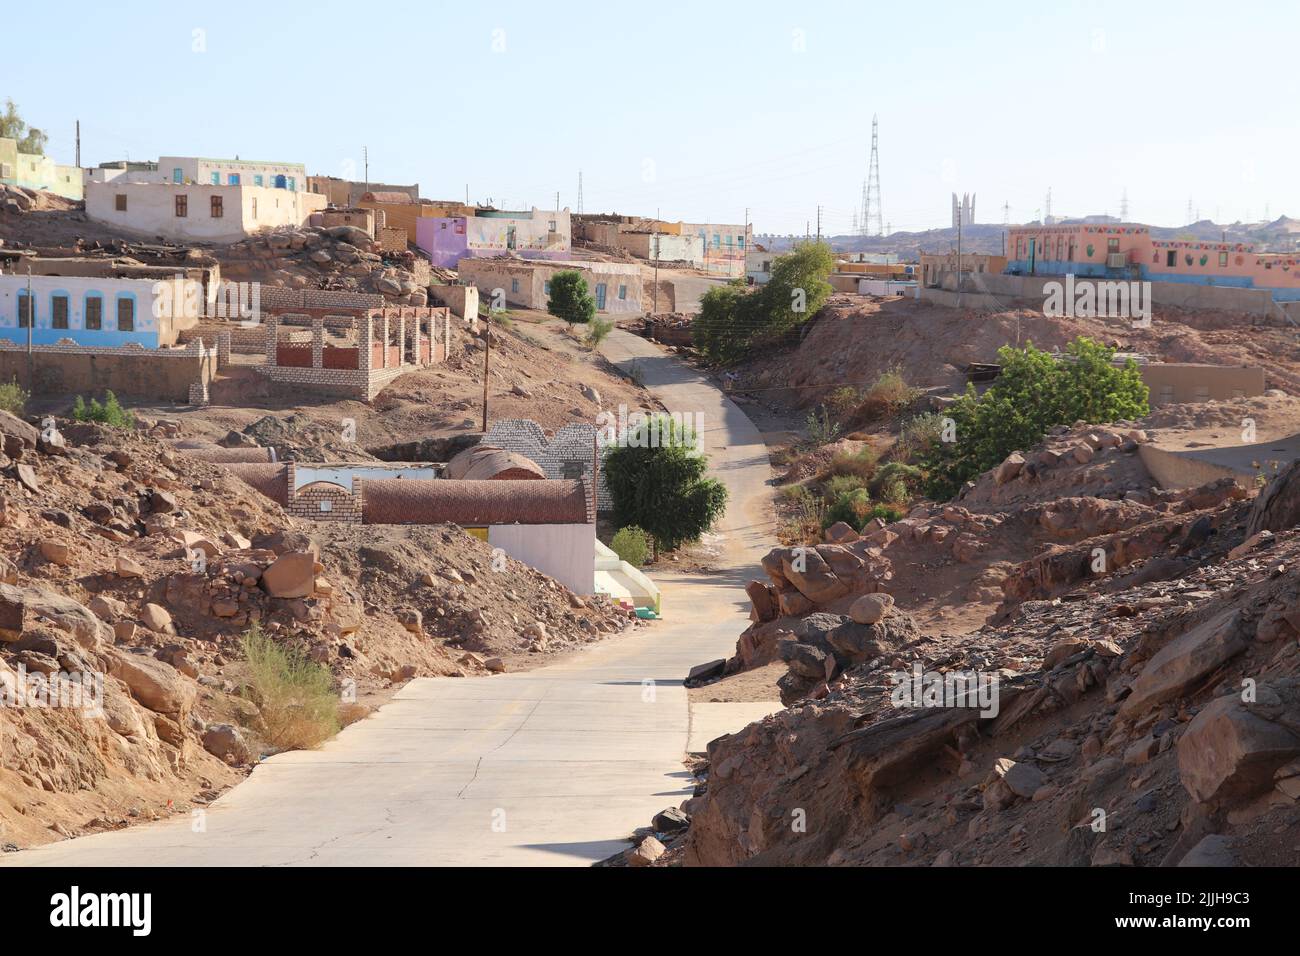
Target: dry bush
299,708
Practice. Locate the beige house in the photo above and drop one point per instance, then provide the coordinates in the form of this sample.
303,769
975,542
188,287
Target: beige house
37,171
526,283
196,212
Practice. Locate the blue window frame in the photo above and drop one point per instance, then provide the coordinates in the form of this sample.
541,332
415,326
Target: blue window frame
216,179
622,292
257,180
232,179
546,286
600,296
177,175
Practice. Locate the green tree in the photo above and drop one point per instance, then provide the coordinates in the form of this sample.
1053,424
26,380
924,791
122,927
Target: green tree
12,126
569,299
732,320
659,482
1033,393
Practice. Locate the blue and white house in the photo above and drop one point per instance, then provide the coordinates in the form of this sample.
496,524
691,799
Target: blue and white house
89,311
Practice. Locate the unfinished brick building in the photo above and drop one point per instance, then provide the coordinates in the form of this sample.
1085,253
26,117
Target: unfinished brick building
346,344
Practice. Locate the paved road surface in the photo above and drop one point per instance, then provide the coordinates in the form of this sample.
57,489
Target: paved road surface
545,767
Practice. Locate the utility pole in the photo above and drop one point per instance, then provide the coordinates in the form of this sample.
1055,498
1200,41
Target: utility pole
580,192
31,320
467,194
819,223
487,360
557,200
656,239
78,143
365,158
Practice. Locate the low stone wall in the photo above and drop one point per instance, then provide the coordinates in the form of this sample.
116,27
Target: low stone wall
169,375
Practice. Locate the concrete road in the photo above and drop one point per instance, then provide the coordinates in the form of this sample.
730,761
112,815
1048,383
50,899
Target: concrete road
553,766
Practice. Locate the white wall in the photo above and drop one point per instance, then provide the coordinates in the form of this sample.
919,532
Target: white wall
565,552
199,171
151,209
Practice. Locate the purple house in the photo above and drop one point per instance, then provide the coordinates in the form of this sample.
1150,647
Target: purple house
442,239
533,234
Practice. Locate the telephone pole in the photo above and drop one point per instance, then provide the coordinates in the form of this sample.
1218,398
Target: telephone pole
580,192
365,159
487,361
959,219
656,239
819,223
78,143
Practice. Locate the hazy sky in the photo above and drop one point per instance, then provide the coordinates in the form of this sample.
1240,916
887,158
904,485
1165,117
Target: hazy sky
698,109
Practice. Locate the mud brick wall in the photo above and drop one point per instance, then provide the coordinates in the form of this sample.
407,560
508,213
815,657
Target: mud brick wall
157,374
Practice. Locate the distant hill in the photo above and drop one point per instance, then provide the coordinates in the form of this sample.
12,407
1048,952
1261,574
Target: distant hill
1280,235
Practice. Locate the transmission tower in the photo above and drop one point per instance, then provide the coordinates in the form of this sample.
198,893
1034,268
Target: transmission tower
1006,214
1047,217
873,219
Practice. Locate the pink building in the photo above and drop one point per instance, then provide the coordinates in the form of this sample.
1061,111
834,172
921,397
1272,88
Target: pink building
1128,251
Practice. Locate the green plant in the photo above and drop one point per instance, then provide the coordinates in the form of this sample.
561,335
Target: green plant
659,481
597,329
850,507
631,544
569,298
13,398
12,126
1033,393
298,707
861,463
884,512
917,434
821,429
842,401
110,413
896,482
732,320
888,394
837,486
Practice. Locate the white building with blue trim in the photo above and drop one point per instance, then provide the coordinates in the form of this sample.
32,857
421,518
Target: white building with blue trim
90,311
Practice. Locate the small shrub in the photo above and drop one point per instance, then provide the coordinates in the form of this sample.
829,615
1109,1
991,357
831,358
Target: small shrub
569,298
861,463
917,435
897,482
851,508
13,398
820,427
631,544
837,486
888,394
884,513
299,708
110,413
843,401
597,329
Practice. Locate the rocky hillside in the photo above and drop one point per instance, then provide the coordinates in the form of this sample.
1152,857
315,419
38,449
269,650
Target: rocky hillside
1140,702
128,560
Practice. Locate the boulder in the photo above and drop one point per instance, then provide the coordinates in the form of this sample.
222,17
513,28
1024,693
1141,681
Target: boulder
56,552
871,608
225,742
1230,750
156,618
156,685
128,567
19,607
646,853
841,533
1011,467
291,575
1184,660
764,600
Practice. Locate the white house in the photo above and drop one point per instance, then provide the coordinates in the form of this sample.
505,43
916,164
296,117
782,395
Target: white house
195,212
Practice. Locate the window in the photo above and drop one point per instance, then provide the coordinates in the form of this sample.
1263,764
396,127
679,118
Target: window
216,179
552,225
293,184
1223,259
216,210
571,469
1171,259
514,285
119,202
58,311
1166,394
94,312
24,310
232,179
546,286
177,175
257,180
1112,245
125,315
622,292
182,206
740,241
717,241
